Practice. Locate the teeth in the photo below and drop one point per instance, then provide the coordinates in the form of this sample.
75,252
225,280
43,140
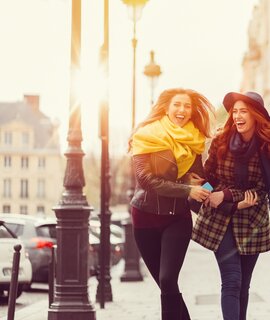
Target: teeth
181,117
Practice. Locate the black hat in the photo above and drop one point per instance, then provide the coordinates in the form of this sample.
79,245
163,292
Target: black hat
251,98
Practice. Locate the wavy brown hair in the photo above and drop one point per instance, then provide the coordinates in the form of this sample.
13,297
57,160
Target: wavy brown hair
201,110
262,130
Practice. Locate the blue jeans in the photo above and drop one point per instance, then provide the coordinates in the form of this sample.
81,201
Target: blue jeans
236,272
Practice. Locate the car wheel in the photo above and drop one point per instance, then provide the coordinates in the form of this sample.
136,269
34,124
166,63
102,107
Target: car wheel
19,291
3,296
27,287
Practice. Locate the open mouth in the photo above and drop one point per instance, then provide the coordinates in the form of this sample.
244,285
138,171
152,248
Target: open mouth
240,124
179,116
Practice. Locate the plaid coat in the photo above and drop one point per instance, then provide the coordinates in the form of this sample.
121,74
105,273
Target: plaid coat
251,225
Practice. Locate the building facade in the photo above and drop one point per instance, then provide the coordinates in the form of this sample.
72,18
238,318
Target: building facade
256,61
31,165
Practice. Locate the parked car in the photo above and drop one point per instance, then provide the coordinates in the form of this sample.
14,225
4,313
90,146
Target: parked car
38,235
117,240
7,242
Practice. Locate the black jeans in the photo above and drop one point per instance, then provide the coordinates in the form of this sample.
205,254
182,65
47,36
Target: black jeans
163,250
236,272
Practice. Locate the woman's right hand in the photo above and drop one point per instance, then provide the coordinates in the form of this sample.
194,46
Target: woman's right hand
249,201
199,194
193,179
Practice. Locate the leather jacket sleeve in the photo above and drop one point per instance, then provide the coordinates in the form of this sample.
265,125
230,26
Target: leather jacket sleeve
147,179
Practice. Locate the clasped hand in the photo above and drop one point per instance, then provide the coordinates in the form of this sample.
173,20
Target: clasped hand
215,199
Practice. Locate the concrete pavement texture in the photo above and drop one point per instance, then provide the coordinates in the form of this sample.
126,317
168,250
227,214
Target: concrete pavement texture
199,282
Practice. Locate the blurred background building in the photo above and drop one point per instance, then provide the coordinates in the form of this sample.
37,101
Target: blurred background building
31,165
256,61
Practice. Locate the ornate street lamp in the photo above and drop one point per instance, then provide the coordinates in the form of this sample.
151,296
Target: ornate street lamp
71,299
132,257
135,8
104,290
152,71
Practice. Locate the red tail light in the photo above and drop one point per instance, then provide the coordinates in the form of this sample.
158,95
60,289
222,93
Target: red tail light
40,243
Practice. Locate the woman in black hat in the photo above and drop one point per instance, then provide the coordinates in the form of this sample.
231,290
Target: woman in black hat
234,220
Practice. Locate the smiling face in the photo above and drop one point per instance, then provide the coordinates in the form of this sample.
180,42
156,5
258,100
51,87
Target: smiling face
243,120
180,109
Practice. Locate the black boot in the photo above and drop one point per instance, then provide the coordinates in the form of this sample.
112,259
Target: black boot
171,306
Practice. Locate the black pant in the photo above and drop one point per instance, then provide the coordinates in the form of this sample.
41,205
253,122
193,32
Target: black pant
163,250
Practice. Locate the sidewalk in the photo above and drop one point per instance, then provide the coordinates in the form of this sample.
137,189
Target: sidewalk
200,285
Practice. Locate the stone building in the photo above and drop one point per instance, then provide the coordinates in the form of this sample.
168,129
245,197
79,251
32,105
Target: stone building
31,165
256,61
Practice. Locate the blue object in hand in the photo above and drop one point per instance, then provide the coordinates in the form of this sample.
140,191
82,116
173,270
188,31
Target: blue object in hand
207,186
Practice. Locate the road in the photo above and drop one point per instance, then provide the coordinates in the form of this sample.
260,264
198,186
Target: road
38,291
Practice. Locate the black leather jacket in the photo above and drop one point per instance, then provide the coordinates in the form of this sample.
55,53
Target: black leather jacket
157,188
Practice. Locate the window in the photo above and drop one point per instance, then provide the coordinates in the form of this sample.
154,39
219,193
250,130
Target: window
24,188
23,210
25,138
7,188
24,162
41,188
6,208
41,210
8,137
7,161
47,231
4,234
15,228
41,162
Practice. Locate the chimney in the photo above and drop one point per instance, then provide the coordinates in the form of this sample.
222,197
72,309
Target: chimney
33,101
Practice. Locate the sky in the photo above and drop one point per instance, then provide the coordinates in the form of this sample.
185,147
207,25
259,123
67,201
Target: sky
199,44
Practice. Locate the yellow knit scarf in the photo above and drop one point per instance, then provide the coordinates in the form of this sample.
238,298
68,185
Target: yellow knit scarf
185,142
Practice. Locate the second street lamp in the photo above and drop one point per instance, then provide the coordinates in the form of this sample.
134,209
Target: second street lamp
152,71
132,257
104,290
135,8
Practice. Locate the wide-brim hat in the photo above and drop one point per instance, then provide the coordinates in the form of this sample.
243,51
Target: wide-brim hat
251,98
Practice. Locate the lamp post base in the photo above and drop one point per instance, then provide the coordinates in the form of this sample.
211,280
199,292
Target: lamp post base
131,275
108,297
132,257
66,314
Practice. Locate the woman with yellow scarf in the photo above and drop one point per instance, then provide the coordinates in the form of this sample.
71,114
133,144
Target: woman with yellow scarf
166,150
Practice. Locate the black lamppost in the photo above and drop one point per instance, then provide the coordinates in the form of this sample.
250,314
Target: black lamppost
104,290
132,257
152,71
71,300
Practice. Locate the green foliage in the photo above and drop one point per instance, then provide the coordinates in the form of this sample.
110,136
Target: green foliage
221,115
119,179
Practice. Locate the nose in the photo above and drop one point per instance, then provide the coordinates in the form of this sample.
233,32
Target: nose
236,115
181,108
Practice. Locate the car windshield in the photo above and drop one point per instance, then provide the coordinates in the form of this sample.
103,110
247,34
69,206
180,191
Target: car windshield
4,233
15,228
47,231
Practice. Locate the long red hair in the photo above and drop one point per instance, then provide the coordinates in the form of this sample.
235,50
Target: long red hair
262,130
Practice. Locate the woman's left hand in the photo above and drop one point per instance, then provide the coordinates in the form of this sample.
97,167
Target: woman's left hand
193,179
251,199
215,199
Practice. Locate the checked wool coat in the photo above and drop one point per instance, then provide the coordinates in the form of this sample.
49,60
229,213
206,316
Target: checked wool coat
251,225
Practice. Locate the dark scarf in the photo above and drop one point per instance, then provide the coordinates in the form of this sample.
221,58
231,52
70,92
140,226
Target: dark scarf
242,151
